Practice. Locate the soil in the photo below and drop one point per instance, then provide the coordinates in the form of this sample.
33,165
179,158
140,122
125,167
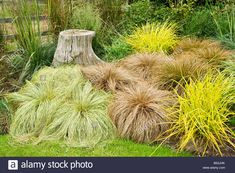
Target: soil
228,150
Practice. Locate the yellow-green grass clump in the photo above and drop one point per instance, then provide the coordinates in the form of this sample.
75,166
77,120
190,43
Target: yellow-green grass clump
154,37
60,105
200,124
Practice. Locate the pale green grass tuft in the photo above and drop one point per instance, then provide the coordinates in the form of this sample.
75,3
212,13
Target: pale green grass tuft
60,105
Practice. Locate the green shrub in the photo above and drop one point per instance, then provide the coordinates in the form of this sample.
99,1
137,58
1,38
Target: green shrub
117,50
43,56
173,3
48,109
137,14
200,123
197,2
172,14
163,13
111,11
200,23
225,23
86,17
140,12
232,121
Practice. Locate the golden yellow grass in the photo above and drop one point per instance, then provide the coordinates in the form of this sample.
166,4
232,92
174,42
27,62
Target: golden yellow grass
200,122
154,37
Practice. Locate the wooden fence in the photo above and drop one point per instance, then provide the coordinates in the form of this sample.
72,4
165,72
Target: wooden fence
9,21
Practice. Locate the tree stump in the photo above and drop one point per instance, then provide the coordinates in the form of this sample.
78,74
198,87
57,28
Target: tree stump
75,46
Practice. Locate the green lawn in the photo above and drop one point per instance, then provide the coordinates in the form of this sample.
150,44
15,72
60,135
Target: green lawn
115,148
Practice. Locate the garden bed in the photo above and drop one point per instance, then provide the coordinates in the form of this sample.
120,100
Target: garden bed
156,74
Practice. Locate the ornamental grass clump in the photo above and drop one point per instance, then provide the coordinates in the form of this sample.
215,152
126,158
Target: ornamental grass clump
108,77
33,104
58,76
229,70
154,37
60,105
175,73
140,112
189,44
206,50
144,65
200,124
82,121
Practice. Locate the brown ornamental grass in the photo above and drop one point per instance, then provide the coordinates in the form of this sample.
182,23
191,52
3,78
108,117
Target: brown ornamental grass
176,73
108,77
206,50
189,44
144,65
140,112
165,72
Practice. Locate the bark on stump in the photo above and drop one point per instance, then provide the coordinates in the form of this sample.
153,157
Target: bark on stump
75,46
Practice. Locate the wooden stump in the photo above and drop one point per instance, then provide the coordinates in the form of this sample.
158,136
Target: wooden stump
75,46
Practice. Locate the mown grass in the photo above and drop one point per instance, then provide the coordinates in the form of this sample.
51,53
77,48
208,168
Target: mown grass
119,148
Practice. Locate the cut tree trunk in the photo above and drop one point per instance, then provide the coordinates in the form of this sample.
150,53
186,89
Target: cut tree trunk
75,46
